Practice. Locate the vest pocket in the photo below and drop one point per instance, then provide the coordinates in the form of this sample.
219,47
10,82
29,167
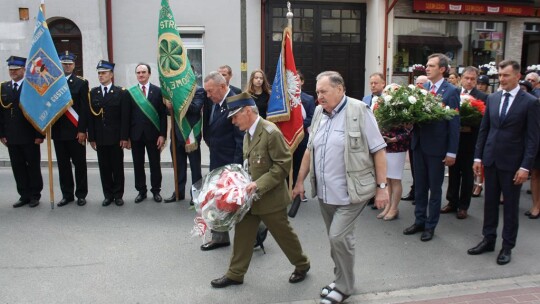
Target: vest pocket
355,141
361,186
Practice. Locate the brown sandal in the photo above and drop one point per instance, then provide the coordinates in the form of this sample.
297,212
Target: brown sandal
298,276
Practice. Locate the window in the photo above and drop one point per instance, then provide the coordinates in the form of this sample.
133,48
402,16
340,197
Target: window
192,37
485,26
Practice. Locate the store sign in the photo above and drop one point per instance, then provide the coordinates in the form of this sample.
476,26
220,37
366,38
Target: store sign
457,7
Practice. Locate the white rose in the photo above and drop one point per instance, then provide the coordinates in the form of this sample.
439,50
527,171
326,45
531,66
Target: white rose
412,99
374,99
387,98
424,92
412,87
447,108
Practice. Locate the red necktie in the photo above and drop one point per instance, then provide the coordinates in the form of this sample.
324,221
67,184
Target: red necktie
144,90
433,89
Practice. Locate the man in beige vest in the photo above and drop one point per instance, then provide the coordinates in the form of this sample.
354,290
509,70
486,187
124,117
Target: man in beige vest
348,169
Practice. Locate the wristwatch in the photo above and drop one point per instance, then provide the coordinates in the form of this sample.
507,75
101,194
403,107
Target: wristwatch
381,185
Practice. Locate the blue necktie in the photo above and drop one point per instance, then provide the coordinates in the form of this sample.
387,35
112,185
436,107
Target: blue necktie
504,107
215,111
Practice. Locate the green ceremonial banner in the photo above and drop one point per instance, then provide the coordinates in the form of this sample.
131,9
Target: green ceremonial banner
178,82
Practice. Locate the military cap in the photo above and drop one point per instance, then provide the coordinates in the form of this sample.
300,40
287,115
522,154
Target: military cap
67,57
527,85
483,79
237,102
104,66
15,62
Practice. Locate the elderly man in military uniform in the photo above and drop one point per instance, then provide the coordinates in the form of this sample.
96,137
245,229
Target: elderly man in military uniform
108,132
269,161
69,135
20,137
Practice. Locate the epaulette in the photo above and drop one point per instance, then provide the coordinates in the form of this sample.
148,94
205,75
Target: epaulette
80,77
270,128
4,81
123,89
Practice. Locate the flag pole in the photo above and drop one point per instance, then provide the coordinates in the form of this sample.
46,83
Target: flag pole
289,24
49,153
173,143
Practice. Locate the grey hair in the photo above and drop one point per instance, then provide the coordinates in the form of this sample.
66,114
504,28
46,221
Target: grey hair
254,109
335,78
216,77
535,75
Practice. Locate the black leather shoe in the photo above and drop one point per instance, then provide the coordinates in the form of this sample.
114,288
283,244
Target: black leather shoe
119,202
504,257
64,201
427,235
298,275
173,198
527,213
157,198
33,203
141,197
483,246
211,245
224,282
20,203
106,202
413,229
81,201
408,197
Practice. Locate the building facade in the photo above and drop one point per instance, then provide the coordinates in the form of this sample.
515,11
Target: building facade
347,36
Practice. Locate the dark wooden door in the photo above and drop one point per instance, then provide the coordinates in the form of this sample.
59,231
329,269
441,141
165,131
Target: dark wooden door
326,36
67,37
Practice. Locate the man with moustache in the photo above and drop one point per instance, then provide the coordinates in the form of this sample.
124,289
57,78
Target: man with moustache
148,130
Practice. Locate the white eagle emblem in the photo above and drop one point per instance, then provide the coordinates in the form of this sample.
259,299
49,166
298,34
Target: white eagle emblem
293,88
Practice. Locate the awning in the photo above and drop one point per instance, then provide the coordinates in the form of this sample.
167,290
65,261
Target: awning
475,7
414,41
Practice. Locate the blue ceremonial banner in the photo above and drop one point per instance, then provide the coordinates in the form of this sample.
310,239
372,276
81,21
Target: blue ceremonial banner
45,95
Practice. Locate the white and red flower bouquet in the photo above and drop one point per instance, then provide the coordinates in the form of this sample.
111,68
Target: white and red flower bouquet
220,199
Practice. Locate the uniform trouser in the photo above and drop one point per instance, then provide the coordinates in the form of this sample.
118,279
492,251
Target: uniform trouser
111,170
68,151
154,160
181,166
340,221
245,233
497,181
25,163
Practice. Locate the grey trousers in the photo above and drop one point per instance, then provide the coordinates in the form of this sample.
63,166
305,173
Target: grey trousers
340,222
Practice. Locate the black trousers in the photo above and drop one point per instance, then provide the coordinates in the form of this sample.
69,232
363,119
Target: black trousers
461,175
297,157
181,163
68,151
25,163
497,181
111,170
154,159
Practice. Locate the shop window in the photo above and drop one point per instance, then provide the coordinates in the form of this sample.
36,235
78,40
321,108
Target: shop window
464,42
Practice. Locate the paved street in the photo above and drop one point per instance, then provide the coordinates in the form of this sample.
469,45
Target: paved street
143,253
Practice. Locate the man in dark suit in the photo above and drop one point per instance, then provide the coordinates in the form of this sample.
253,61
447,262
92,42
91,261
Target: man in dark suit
221,136
148,129
308,108
108,132
263,141
20,137
506,147
69,135
376,85
191,150
461,176
226,72
434,146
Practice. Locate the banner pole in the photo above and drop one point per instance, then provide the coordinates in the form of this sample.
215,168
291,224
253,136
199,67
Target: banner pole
49,157
173,143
